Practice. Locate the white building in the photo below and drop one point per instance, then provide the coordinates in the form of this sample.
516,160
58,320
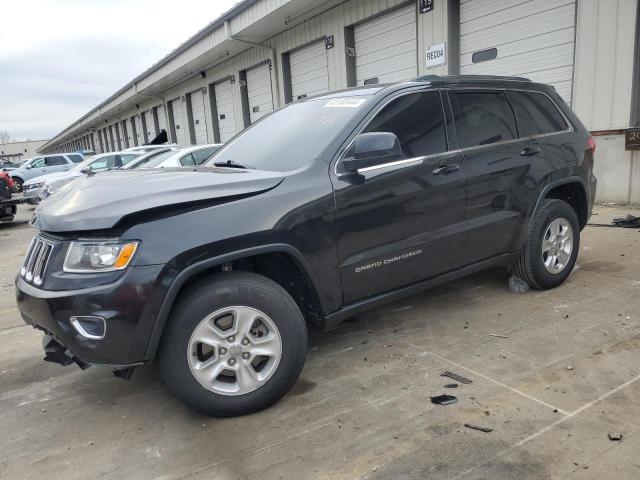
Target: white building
263,54
17,151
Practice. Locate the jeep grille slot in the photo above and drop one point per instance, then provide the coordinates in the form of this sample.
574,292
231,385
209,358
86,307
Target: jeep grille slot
35,263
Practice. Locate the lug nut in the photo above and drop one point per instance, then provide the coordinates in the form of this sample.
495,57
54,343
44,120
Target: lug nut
245,355
231,339
223,351
232,361
245,341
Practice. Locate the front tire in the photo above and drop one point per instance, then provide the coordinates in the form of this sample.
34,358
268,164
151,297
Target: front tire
551,249
235,344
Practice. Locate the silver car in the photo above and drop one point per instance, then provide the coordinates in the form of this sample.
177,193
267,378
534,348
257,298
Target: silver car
41,187
38,166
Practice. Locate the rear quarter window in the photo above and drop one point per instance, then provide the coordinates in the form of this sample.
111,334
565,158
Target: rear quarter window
537,114
75,158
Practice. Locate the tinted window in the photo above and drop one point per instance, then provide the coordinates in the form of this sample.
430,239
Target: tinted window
537,113
418,122
127,157
484,118
75,158
102,163
55,161
201,155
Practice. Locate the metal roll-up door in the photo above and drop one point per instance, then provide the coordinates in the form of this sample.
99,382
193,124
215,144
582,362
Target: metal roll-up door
150,124
140,130
162,121
225,109
386,47
259,92
178,121
309,71
533,39
198,117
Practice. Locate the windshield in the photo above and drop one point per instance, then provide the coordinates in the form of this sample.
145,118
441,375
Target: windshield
290,138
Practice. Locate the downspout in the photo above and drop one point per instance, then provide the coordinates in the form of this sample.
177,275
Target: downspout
274,60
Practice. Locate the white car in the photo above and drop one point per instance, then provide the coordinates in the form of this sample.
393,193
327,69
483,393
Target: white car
182,157
34,190
149,148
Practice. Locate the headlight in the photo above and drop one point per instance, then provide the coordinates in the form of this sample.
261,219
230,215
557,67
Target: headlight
89,257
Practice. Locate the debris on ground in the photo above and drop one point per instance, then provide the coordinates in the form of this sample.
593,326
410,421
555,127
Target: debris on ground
630,221
569,367
451,385
498,335
517,285
444,400
479,428
456,377
615,436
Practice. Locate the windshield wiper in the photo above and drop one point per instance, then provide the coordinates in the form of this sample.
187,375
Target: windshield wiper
229,164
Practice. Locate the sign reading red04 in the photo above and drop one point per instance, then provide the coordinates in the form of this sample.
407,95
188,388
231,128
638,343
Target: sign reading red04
436,55
632,139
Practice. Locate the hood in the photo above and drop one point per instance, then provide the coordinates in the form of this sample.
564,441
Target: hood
100,201
46,177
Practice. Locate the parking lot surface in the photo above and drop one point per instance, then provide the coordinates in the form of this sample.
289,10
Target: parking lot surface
553,372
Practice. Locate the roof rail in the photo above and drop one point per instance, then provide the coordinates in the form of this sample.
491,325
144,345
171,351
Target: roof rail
462,78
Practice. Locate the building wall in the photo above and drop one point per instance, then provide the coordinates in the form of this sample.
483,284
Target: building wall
21,150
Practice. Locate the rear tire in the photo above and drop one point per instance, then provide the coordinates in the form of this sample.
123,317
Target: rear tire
551,249
235,343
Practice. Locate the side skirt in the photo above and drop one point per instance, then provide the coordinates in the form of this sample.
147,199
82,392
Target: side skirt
347,311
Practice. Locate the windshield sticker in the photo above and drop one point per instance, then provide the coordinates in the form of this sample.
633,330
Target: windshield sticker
345,102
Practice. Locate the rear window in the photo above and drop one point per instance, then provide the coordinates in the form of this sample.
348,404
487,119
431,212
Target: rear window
75,158
157,159
484,118
537,114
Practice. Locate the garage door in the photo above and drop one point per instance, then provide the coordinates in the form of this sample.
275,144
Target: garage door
386,47
198,117
224,108
533,39
259,91
149,123
309,71
178,121
140,130
162,121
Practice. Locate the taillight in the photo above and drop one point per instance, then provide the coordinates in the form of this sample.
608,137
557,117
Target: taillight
591,143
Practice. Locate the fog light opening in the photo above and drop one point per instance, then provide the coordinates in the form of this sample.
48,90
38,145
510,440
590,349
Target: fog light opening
93,328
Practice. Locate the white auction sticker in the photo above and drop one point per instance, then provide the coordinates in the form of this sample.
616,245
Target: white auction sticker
345,102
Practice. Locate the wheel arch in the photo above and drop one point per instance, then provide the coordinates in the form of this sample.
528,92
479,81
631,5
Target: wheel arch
242,259
570,189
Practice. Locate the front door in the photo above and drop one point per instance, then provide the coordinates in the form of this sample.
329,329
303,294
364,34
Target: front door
502,169
402,222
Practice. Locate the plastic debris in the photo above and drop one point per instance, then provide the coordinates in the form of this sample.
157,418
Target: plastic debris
517,285
456,377
630,221
497,335
615,436
444,400
451,385
476,427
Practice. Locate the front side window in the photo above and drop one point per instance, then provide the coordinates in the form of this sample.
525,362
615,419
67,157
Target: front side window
103,162
127,157
483,118
55,161
537,114
187,160
37,163
417,120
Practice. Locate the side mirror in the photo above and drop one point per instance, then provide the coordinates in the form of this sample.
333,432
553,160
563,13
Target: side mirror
374,148
28,167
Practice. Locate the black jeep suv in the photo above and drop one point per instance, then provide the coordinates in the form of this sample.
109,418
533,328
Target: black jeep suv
328,206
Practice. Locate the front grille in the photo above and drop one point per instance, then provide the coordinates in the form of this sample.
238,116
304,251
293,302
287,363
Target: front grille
35,263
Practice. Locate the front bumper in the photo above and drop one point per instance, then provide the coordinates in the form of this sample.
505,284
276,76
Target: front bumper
126,305
31,193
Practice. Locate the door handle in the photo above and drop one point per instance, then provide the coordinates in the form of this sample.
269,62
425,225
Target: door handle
528,151
446,169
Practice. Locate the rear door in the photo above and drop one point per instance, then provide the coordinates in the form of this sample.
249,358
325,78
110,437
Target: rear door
224,109
500,167
56,163
402,222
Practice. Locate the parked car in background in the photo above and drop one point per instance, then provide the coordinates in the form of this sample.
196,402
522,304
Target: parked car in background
183,157
6,165
42,165
86,153
153,155
150,148
7,203
41,187
325,208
